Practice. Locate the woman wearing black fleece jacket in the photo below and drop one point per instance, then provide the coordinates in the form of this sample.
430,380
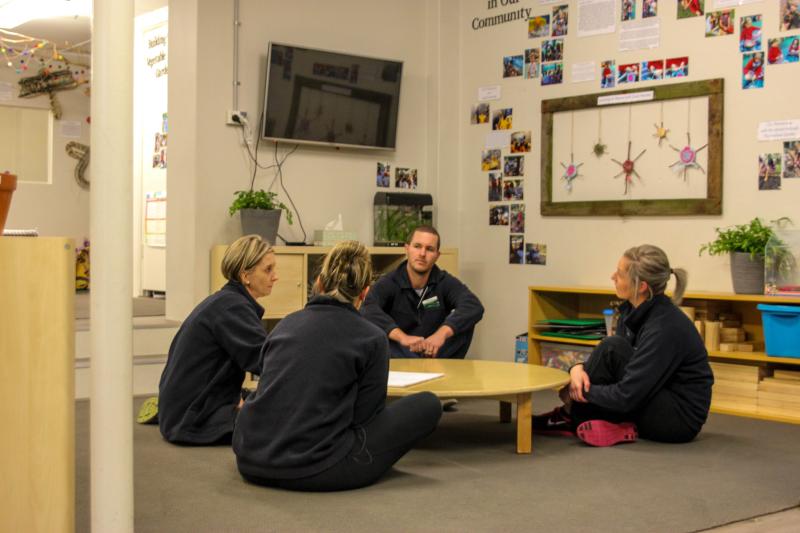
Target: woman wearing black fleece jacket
652,377
318,420
200,388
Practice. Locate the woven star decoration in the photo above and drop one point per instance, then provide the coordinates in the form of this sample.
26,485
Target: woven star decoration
629,167
687,158
661,132
570,173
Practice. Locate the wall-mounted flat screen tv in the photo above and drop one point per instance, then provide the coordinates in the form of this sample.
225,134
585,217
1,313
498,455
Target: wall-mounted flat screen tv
319,96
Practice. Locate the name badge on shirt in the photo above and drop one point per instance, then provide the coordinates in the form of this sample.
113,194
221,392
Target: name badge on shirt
431,303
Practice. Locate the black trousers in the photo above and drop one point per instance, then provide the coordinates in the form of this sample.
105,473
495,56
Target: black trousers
658,419
378,446
455,347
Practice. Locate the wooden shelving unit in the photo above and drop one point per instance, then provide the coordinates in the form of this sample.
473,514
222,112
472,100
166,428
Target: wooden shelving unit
588,302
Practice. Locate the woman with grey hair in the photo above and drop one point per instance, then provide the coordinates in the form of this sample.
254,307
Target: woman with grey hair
201,387
319,420
652,379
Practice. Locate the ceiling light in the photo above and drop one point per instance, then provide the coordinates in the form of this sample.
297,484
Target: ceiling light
14,13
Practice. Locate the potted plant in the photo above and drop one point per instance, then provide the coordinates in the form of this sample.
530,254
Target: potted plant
260,212
745,243
8,183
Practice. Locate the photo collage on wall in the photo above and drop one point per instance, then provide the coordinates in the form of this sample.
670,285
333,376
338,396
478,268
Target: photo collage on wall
404,178
160,145
773,167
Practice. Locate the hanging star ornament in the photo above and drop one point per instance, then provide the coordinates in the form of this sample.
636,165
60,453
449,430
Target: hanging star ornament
628,167
661,132
687,158
570,172
599,148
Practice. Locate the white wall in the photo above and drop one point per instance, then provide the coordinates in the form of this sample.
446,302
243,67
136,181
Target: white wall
207,162
60,208
584,250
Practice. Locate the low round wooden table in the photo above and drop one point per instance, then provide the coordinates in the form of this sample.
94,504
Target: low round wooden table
495,380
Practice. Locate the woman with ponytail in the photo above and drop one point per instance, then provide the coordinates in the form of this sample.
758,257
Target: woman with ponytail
652,379
319,420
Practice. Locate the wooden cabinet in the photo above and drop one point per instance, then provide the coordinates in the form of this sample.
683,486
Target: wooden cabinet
588,302
298,266
37,377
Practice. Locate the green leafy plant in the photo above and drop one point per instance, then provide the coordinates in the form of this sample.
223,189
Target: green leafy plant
259,199
749,238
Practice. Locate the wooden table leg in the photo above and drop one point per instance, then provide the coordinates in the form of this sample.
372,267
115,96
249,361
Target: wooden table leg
524,413
505,412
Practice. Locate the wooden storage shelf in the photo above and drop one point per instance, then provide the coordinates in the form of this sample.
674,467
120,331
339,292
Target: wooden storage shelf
556,302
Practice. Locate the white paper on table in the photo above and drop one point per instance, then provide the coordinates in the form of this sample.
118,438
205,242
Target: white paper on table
406,379
596,17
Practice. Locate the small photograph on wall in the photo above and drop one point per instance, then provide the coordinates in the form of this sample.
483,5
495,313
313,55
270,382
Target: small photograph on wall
517,218
532,60
649,8
502,119
720,22
490,160
513,190
560,20
552,73
769,172
627,10
750,33
498,215
791,159
676,67
520,142
753,70
539,26
608,74
535,254
690,8
512,66
513,165
790,15
479,114
628,73
552,50
495,186
783,50
652,70
405,178
516,249
383,178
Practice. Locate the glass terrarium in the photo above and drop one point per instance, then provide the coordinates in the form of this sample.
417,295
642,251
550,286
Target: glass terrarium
781,263
396,214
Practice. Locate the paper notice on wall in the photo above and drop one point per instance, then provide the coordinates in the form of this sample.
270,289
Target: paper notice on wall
720,4
586,71
596,17
490,92
6,91
779,130
498,139
639,34
642,96
70,129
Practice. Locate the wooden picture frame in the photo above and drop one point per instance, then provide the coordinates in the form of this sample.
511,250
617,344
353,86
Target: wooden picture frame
710,205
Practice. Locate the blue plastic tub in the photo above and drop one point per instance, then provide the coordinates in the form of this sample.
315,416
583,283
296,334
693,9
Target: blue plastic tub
781,329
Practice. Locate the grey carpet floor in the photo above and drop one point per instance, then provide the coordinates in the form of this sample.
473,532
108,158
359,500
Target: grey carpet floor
466,477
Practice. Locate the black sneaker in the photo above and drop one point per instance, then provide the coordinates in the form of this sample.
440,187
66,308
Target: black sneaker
556,422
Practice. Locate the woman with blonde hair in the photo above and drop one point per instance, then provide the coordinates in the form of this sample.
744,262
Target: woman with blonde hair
201,386
318,420
652,378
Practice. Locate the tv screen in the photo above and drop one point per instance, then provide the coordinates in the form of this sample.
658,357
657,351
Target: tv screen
327,97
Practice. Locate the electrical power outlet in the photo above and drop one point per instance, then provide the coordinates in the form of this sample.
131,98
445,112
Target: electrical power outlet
235,117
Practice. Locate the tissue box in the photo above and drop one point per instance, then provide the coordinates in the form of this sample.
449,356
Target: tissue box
329,237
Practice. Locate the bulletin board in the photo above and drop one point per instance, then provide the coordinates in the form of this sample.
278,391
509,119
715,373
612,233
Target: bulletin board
641,152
